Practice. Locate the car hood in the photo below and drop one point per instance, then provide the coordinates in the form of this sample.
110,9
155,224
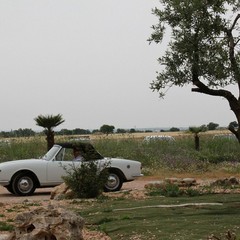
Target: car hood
18,162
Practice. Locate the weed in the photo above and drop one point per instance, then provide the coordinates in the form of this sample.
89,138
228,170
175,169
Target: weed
192,192
167,190
5,227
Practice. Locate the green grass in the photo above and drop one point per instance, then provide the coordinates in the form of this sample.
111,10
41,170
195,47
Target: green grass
184,223
5,226
179,156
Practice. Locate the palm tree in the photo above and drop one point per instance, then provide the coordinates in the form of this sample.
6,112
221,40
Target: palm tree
48,122
196,131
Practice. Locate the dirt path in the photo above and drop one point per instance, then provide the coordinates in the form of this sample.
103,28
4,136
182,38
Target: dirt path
43,194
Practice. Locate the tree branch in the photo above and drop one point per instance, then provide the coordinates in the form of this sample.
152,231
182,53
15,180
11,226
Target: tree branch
235,22
232,58
202,88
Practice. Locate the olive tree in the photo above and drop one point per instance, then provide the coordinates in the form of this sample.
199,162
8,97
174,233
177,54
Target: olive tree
204,49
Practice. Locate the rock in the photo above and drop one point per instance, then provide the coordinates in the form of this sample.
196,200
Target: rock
48,224
61,192
172,180
188,182
6,236
185,182
226,182
155,184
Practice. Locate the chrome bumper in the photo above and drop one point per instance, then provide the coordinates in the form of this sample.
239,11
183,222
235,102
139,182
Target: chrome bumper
4,183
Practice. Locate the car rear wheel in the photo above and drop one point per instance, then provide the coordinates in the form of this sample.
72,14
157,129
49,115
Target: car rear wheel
114,182
23,184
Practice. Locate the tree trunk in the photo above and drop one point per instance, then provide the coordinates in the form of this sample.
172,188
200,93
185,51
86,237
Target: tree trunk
197,142
50,139
235,107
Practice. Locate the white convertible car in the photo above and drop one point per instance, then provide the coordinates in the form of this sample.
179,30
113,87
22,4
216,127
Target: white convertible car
22,177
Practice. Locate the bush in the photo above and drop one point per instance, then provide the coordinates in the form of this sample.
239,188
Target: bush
172,190
86,181
167,190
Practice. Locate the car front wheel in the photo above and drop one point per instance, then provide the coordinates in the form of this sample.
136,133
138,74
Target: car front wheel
23,184
114,182
9,188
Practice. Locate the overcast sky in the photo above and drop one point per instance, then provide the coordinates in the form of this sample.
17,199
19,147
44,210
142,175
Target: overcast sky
90,61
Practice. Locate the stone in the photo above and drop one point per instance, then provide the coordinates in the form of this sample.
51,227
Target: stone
48,224
172,180
226,182
185,182
61,192
6,236
188,182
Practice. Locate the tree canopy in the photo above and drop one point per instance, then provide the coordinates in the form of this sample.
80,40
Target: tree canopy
107,129
49,122
204,49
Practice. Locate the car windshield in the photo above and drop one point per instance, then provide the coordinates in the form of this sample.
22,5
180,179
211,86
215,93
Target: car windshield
51,153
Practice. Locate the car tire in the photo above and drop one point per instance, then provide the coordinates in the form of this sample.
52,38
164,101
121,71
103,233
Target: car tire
114,182
23,184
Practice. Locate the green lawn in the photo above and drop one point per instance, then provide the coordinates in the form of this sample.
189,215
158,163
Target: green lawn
186,223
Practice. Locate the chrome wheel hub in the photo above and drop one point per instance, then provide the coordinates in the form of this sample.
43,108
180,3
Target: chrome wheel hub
25,184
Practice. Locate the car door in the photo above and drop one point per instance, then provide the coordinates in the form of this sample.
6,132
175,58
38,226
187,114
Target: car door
60,165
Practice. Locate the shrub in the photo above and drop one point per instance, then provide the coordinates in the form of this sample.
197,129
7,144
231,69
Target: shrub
167,190
86,181
172,190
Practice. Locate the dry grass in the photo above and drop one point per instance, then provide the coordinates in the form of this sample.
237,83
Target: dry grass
141,135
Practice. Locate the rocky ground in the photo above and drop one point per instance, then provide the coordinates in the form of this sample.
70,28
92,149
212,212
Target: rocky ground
11,205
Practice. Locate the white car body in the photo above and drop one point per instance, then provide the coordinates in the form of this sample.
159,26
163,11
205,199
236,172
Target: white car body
159,138
48,171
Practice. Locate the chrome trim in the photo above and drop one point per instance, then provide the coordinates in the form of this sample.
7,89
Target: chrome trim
4,183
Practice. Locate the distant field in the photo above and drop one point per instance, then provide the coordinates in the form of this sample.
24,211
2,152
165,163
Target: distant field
144,134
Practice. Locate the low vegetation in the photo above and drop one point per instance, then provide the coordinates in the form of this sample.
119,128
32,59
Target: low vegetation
122,217
165,217
179,156
156,157
86,181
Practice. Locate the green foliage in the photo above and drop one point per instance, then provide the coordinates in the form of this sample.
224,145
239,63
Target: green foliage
203,49
26,132
49,122
22,149
174,129
177,157
167,190
86,181
212,126
107,129
147,221
172,190
197,130
198,46
5,226
154,156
